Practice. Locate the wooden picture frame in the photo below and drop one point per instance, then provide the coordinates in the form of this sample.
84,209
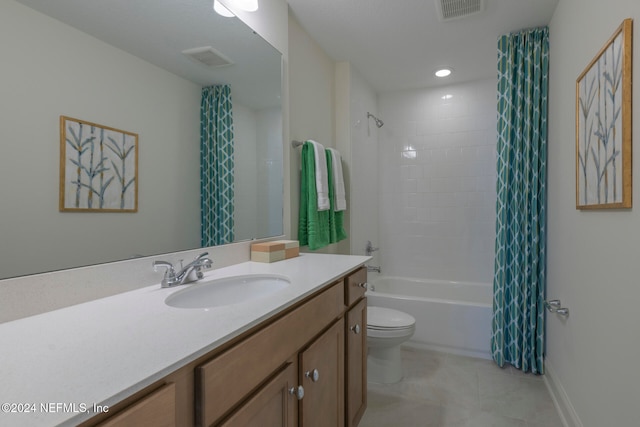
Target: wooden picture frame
603,125
98,168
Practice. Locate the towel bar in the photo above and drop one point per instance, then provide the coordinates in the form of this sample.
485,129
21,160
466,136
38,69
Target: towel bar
553,305
296,144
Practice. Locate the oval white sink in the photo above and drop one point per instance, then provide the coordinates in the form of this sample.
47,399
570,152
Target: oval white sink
227,291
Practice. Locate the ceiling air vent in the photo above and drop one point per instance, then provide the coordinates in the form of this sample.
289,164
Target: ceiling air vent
454,9
208,56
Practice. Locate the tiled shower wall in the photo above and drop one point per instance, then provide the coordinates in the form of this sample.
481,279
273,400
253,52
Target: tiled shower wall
437,172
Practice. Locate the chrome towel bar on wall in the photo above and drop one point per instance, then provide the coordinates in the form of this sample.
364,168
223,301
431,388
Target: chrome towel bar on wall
555,306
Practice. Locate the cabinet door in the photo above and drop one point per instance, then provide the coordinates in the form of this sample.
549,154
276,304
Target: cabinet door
274,405
156,410
356,376
322,376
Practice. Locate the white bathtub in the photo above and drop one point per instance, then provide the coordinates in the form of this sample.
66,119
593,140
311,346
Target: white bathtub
453,317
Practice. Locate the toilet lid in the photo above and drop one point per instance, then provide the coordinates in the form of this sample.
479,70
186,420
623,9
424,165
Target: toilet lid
380,317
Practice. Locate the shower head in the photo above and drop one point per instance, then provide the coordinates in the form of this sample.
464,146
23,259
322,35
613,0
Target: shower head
379,122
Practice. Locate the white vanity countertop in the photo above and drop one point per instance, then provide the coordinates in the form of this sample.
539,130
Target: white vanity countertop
103,351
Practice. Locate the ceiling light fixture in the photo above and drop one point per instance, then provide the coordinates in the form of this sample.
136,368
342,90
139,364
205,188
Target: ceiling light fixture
444,72
222,10
246,5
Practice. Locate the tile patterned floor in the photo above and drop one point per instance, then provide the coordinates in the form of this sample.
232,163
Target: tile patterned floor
445,390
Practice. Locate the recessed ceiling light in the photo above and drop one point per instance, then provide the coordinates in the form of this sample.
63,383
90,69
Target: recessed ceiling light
447,96
444,72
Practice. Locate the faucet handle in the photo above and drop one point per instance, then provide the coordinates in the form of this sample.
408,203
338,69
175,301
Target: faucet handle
369,248
169,275
202,263
165,264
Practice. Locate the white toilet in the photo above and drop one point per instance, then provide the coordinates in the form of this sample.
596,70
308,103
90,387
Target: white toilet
386,330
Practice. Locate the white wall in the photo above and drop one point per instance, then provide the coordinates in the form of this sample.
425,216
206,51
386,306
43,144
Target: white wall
437,182
592,259
56,71
311,108
357,140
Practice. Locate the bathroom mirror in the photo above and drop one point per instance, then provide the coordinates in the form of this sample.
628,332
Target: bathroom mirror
120,64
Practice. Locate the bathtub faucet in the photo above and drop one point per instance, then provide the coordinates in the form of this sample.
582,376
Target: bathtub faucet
373,268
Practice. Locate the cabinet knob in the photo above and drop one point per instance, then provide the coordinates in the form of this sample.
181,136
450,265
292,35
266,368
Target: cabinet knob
355,329
364,285
314,375
298,392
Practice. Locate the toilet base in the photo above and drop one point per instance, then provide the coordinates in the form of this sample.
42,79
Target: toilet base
384,365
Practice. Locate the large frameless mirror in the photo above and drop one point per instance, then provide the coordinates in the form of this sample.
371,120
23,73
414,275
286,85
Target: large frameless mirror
121,64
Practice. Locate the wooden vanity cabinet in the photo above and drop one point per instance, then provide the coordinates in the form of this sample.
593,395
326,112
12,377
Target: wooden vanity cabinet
275,404
322,376
356,363
310,396
228,379
158,409
305,367
356,347
355,286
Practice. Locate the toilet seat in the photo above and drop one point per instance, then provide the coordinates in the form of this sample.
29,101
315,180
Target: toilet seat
386,319
390,333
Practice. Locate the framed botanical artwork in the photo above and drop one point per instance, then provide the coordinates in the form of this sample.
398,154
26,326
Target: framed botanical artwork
603,126
98,167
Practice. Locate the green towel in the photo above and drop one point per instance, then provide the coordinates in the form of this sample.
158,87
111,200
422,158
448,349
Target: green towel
317,229
313,226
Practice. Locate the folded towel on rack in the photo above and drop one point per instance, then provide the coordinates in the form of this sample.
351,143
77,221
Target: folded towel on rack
340,200
313,225
318,228
322,183
336,218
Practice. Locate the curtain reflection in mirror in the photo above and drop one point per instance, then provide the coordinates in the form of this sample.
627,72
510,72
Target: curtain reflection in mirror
216,166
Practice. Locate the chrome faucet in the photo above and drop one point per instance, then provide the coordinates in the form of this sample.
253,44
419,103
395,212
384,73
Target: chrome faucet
187,274
373,268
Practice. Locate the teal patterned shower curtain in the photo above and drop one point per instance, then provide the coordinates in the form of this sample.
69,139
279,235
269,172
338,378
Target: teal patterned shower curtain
519,274
216,166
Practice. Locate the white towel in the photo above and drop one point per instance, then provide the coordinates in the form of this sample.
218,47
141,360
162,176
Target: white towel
338,181
322,181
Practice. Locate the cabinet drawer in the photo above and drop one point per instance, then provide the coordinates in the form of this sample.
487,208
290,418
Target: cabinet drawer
156,410
225,380
354,286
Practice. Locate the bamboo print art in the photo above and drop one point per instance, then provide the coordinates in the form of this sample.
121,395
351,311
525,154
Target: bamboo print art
603,126
122,152
98,168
